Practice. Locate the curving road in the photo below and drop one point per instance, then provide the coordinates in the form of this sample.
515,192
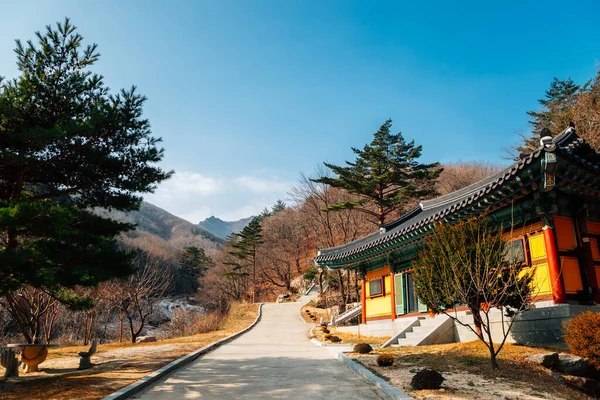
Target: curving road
275,360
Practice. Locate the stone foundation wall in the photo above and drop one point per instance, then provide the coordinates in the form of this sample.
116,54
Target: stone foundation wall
541,326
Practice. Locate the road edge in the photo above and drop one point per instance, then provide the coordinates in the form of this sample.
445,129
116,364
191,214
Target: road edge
149,379
390,390
387,388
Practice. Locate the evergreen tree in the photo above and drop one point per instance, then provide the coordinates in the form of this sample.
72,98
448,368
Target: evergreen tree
193,265
385,174
278,206
555,114
68,145
244,245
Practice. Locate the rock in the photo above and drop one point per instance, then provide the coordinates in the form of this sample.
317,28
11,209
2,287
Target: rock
548,360
570,364
587,385
145,339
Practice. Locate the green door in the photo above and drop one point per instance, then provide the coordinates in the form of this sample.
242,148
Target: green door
399,294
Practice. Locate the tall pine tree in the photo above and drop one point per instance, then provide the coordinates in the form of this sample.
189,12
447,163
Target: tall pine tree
386,174
556,112
244,246
68,145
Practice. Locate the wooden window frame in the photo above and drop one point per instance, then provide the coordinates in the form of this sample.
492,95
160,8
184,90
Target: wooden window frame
525,244
382,281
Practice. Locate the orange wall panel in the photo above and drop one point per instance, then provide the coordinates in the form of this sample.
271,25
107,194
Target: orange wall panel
377,273
593,227
571,274
565,233
595,249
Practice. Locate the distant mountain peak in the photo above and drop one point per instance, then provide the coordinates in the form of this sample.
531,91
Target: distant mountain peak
221,228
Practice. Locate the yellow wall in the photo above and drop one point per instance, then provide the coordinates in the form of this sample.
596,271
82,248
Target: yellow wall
381,305
541,278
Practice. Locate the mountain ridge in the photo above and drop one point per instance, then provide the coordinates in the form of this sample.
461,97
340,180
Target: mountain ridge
222,228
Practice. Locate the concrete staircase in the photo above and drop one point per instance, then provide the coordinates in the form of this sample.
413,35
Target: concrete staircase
424,330
346,316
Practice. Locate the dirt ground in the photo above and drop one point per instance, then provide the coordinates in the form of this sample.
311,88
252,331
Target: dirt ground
115,365
468,372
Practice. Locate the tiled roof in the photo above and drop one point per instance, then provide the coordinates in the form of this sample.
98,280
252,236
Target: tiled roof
433,210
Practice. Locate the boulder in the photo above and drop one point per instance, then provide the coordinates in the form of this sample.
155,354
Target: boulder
547,360
145,339
570,364
586,385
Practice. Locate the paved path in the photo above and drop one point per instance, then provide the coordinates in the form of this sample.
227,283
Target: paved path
275,360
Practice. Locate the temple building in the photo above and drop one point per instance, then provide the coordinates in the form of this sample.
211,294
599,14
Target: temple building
548,202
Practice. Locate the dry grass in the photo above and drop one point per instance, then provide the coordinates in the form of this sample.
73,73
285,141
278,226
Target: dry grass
319,312
349,338
117,365
469,373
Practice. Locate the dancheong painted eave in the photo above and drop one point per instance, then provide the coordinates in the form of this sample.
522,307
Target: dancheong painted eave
490,193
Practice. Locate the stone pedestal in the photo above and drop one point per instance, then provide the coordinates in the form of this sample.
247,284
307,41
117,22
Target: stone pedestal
32,355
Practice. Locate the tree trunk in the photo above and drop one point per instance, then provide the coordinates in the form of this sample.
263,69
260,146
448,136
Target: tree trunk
342,292
477,321
493,360
321,282
356,293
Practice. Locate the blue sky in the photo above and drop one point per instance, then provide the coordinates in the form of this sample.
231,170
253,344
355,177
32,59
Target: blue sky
249,94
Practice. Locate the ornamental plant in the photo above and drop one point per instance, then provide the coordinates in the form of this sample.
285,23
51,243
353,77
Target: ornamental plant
363,348
427,379
385,360
335,339
582,335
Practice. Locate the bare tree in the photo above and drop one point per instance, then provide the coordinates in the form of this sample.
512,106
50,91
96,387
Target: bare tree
285,252
34,313
470,264
327,228
458,175
135,298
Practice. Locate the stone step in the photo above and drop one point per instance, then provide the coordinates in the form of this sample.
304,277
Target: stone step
413,335
421,329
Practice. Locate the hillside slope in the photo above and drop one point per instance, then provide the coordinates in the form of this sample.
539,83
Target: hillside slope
163,234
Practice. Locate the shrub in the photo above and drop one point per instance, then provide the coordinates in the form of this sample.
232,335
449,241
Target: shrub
323,325
307,311
427,379
328,336
582,335
190,322
325,330
385,360
363,348
335,339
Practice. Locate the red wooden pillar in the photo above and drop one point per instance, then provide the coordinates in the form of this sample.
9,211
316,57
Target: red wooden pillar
558,289
393,291
363,298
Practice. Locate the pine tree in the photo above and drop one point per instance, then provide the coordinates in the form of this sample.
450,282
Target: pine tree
67,146
193,265
278,206
386,174
555,114
244,245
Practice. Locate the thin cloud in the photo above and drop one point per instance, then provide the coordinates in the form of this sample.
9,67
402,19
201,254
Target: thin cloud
262,185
